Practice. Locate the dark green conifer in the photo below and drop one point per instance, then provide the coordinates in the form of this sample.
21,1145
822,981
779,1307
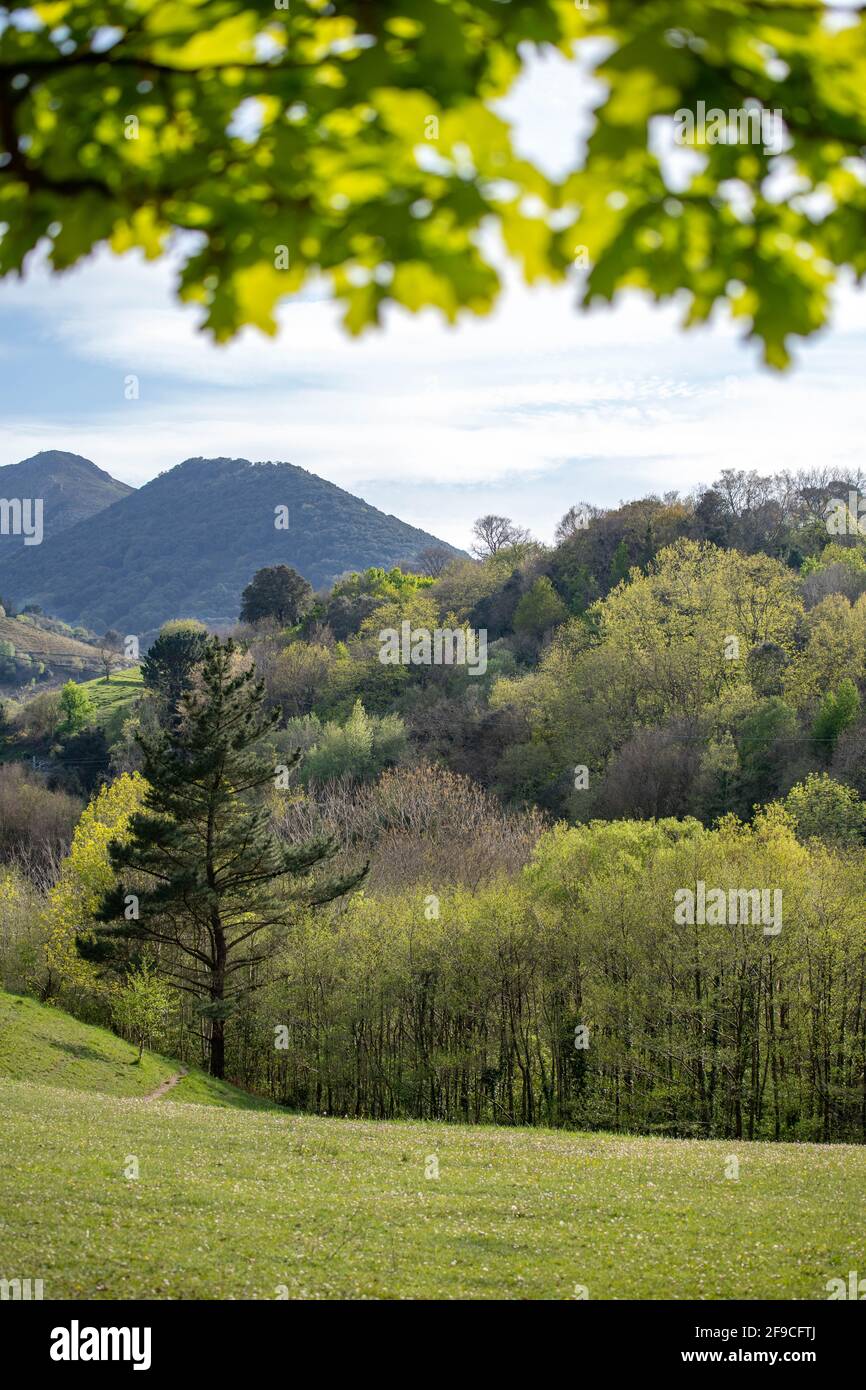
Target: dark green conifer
220,889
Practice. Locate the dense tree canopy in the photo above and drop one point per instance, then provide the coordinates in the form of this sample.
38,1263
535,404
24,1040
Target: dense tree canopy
277,592
362,143
698,721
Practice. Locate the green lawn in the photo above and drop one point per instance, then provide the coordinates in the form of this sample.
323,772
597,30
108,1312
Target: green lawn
231,1203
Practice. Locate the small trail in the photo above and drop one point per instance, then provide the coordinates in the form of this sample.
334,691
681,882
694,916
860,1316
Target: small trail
166,1086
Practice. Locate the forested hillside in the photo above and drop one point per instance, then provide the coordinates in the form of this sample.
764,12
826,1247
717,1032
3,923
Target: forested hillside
188,541
469,879
70,488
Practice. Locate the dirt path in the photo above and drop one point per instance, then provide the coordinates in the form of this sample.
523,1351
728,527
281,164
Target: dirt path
166,1086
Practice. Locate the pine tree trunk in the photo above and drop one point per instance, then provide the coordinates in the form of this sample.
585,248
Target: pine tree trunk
217,1048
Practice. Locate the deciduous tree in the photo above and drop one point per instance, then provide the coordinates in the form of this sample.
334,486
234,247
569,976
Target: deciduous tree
285,139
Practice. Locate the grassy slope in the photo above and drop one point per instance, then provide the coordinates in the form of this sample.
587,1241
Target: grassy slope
46,1046
233,1205
109,696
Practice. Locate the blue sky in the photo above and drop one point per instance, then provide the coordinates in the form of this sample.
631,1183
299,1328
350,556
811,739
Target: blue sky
526,412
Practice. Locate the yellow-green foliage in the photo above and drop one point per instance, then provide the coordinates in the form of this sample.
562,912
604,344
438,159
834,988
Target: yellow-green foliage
835,648
464,1005
657,648
86,875
22,934
835,554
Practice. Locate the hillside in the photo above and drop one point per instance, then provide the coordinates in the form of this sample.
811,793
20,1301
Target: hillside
113,700
187,543
234,1203
60,653
43,1045
71,487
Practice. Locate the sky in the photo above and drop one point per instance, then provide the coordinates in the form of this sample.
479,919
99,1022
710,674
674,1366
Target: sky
526,412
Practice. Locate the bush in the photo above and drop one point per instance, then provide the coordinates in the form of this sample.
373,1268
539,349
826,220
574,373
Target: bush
36,823
360,749
39,718
142,1007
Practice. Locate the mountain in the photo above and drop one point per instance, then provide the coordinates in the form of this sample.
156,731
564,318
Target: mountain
187,543
71,488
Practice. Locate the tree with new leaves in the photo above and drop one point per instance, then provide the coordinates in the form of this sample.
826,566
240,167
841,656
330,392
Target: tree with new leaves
76,708
212,891
284,142
620,565
539,610
838,709
84,879
142,1005
277,592
828,810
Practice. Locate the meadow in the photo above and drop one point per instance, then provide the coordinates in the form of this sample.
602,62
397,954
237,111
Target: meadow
111,697
238,1204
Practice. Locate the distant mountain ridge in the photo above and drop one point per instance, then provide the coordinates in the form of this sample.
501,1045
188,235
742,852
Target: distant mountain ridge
71,489
187,543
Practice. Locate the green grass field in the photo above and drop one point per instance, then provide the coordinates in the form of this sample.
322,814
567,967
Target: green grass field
44,1045
112,699
231,1203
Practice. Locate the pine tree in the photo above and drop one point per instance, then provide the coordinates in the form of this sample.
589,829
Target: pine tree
168,666
222,890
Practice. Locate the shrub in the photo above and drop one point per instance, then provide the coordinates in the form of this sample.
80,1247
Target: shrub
38,718
36,823
360,749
